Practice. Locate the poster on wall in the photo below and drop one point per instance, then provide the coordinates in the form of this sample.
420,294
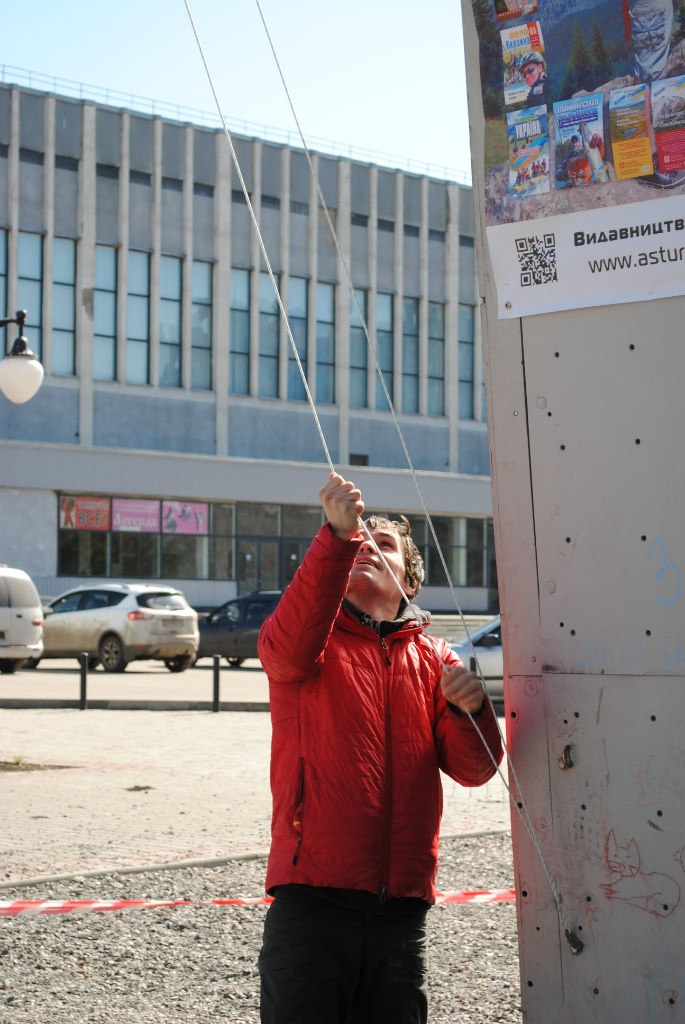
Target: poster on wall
135,515
185,517
584,163
77,512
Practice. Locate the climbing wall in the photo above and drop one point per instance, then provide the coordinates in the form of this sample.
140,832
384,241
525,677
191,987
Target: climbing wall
587,431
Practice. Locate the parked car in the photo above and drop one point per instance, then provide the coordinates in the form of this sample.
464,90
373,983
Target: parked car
485,645
116,623
21,620
232,629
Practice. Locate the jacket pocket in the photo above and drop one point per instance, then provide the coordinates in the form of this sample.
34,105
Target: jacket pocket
299,806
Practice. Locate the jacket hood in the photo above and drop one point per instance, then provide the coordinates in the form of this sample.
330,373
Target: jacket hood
410,616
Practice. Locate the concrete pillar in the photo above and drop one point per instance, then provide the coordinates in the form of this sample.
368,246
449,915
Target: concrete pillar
85,275
222,293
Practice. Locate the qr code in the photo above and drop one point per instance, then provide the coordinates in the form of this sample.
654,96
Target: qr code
537,259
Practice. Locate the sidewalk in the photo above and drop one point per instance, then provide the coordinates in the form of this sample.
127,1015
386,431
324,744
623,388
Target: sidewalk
131,789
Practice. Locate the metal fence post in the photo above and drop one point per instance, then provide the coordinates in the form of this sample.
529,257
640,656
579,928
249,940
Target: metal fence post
216,659
83,663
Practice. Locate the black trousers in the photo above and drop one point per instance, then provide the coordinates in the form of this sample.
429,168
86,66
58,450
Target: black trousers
326,964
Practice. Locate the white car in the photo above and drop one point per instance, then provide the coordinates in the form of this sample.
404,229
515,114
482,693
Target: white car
116,623
21,620
482,653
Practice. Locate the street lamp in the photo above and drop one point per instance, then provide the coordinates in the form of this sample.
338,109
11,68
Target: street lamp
21,373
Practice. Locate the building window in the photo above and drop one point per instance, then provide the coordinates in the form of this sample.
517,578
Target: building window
268,337
201,327
436,359
30,287
384,350
467,549
105,314
134,541
386,225
240,333
63,307
410,356
223,540
170,292
298,319
185,540
358,351
325,343
138,319
466,322
258,545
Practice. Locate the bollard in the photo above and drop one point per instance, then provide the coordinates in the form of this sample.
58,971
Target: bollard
216,658
83,662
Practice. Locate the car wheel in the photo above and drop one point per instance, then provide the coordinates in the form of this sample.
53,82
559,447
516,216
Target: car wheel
180,663
32,663
7,667
235,662
112,654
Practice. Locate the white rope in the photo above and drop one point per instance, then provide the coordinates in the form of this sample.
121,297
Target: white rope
519,805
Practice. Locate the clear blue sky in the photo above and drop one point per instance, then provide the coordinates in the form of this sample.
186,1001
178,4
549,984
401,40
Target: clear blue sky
373,74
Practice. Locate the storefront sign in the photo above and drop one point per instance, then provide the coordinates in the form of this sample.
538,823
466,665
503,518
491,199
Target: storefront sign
185,517
135,515
79,513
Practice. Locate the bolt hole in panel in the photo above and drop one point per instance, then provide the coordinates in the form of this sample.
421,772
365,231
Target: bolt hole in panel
616,844
608,482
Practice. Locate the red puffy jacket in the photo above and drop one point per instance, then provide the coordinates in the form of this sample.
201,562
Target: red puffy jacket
360,729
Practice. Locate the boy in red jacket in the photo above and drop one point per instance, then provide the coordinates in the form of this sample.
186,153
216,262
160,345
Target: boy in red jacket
366,709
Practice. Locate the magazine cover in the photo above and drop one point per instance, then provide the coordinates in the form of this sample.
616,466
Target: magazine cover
528,132
579,142
525,70
505,9
632,149
668,120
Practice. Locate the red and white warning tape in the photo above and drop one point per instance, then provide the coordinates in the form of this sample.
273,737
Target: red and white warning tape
29,908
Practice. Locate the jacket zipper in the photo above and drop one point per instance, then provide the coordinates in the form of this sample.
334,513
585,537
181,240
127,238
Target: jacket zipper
297,816
383,894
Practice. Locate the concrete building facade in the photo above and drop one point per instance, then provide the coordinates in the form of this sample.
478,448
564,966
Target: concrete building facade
173,437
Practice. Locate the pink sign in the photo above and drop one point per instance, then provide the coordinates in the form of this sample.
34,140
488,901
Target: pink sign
185,517
135,515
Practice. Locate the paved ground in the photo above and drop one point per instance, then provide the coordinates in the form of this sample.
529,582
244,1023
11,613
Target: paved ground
123,789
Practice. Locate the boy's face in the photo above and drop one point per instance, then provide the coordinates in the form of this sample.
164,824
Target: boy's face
368,572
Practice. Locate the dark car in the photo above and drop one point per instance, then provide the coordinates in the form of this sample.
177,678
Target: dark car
232,629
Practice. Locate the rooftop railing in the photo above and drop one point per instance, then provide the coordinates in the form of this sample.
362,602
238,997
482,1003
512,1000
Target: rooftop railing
189,115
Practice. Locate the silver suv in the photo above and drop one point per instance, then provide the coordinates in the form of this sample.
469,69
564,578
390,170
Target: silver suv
21,620
115,623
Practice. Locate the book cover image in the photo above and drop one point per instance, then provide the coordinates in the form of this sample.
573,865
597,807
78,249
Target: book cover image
668,120
528,133
629,132
523,58
579,142
507,9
